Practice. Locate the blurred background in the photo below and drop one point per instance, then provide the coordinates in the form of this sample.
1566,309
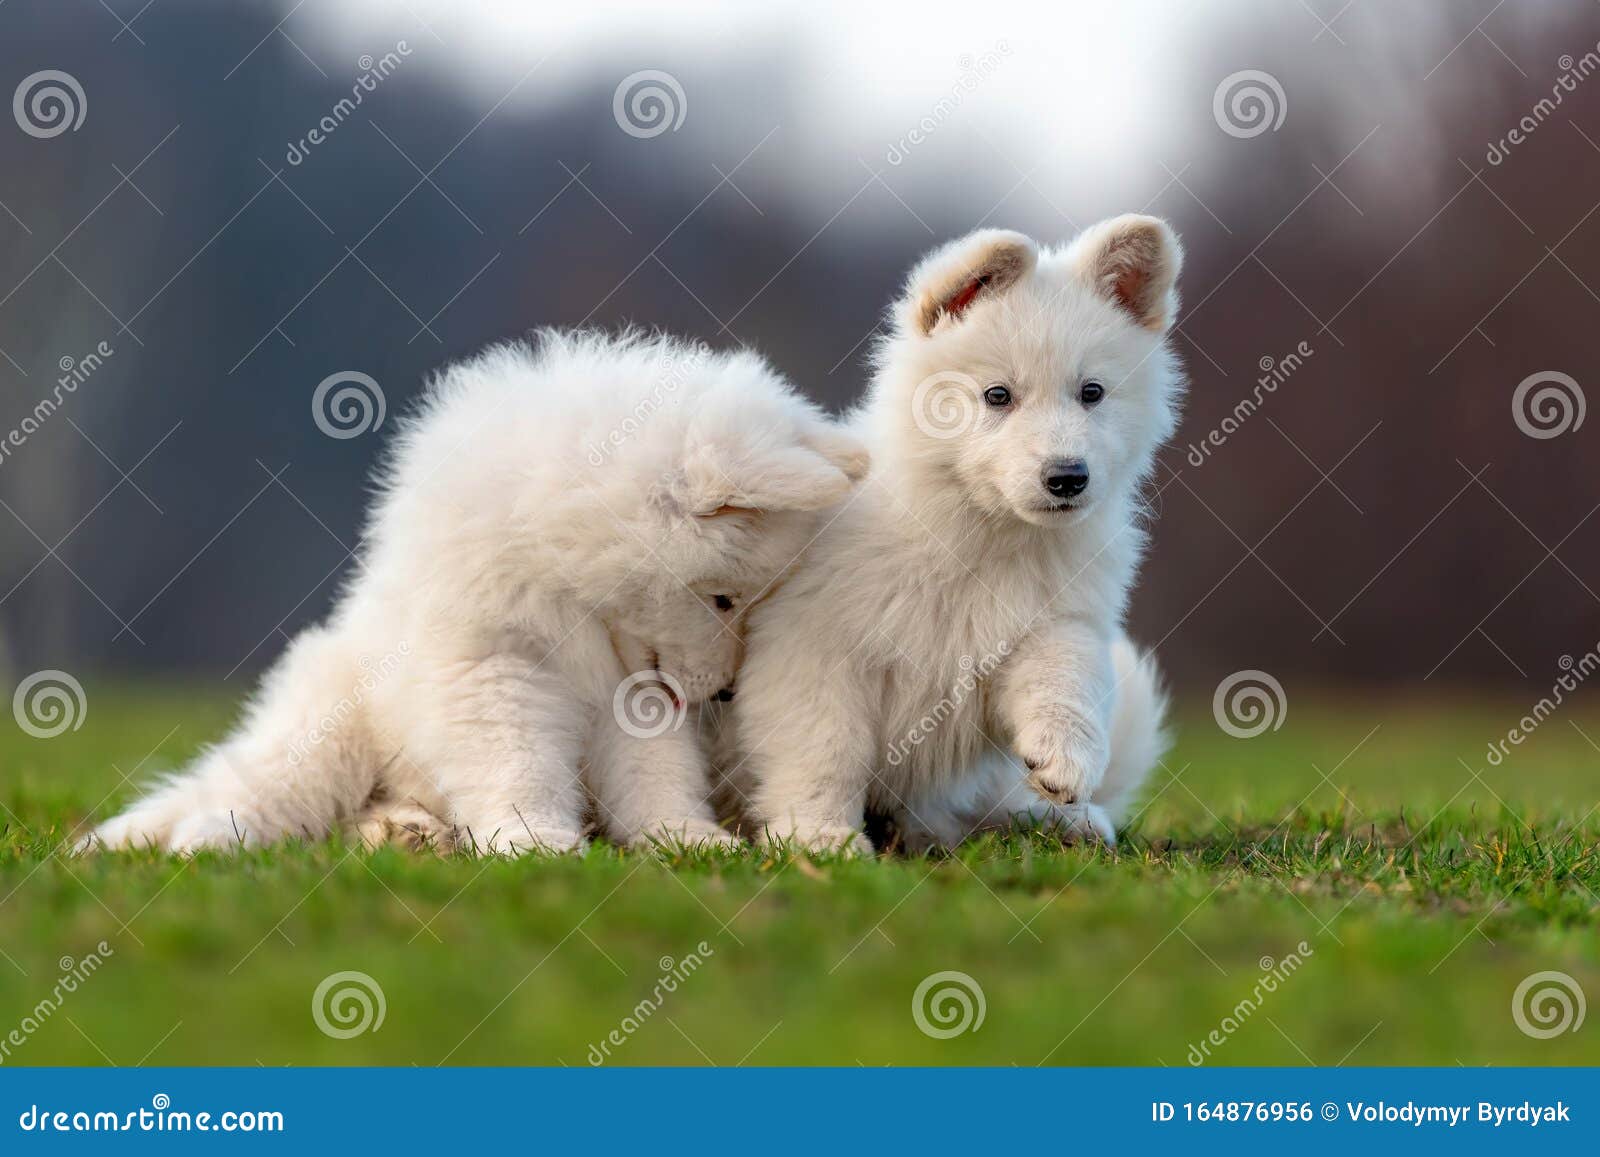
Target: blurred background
209,210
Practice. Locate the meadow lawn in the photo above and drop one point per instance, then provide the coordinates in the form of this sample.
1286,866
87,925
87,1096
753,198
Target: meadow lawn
1423,883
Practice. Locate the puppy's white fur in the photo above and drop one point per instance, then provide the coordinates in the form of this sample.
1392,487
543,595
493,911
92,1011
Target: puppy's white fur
558,516
952,650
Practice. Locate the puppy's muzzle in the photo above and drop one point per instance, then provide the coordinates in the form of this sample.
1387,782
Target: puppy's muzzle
1065,477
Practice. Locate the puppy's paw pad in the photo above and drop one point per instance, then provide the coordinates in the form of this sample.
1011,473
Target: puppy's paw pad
1064,766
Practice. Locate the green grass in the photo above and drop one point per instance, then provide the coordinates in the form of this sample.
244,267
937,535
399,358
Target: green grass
1424,893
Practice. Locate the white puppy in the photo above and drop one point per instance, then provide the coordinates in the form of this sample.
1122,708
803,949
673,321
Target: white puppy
952,652
566,540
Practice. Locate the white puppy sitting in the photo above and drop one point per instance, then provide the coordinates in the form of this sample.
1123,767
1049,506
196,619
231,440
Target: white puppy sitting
563,526
952,652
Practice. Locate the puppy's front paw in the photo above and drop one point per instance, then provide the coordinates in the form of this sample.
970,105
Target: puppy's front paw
211,831
141,827
825,838
115,835
1066,761
1080,824
534,840
402,824
693,833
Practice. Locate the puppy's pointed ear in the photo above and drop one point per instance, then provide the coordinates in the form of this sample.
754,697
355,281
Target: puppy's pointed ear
791,478
946,282
1134,262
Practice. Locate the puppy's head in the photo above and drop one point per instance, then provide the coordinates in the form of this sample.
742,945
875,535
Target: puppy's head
758,471
1037,382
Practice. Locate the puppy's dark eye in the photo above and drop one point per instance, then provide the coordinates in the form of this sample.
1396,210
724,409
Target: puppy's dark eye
1091,392
997,396
723,603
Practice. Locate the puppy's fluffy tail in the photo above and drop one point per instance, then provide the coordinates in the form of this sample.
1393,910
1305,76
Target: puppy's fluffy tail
1139,736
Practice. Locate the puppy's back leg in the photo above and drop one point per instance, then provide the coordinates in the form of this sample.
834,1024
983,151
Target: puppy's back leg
302,758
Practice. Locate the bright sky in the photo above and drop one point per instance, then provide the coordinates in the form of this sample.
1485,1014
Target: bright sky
1097,101
1088,81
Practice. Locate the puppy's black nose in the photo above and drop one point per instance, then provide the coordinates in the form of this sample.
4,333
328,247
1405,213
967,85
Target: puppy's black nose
724,696
1066,477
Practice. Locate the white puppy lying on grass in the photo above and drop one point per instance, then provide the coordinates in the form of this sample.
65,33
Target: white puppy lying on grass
564,528
951,652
